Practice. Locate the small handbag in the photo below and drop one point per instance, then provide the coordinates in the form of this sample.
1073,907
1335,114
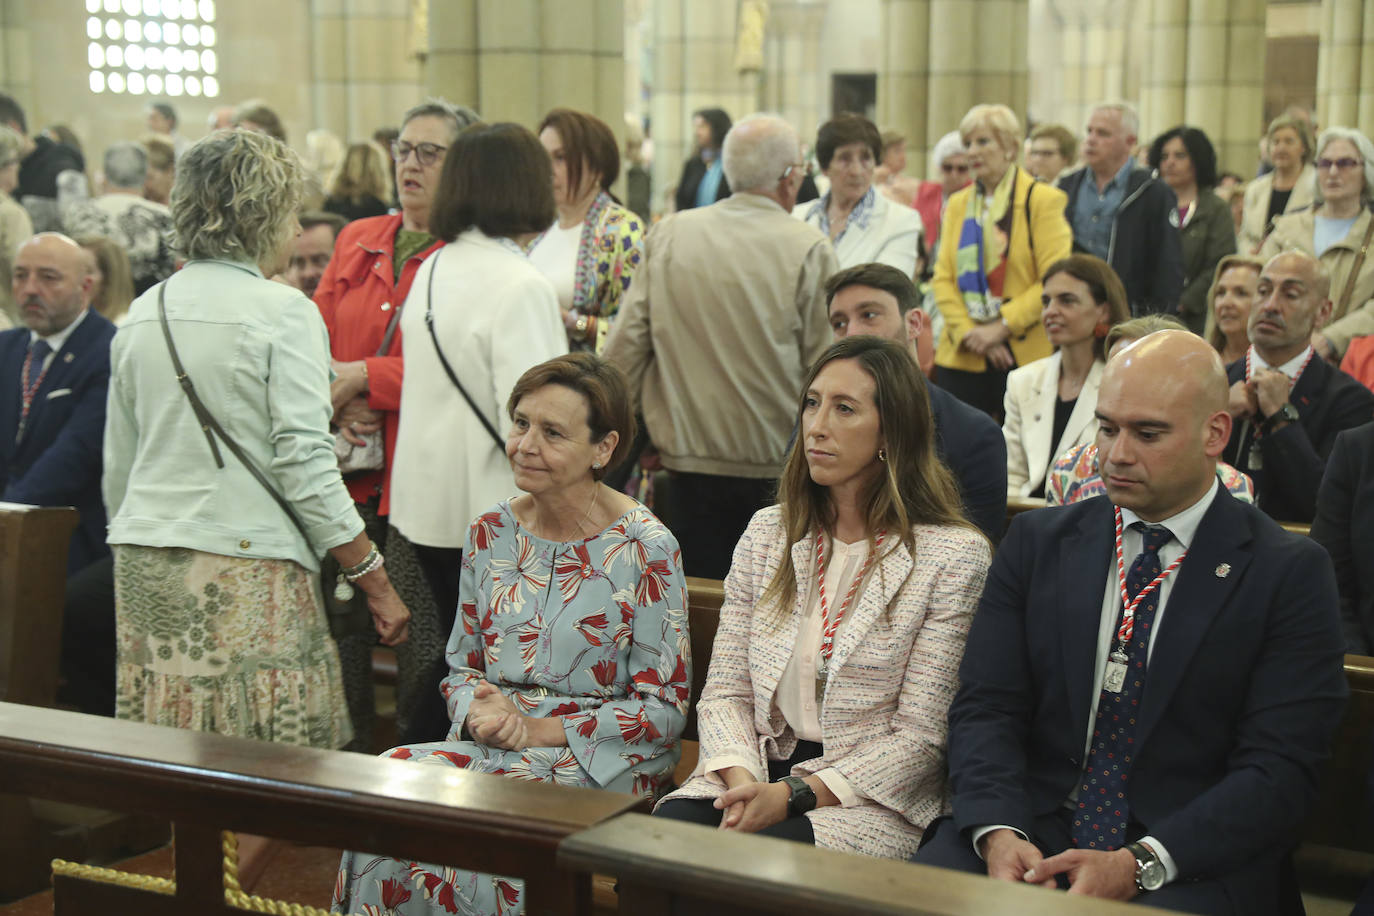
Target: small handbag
363,459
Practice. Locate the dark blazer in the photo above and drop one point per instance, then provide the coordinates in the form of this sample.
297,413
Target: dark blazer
1293,459
1345,527
1146,251
1245,689
972,445
693,170
58,462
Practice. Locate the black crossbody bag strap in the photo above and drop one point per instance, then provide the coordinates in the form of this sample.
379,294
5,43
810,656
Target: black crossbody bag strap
210,426
443,360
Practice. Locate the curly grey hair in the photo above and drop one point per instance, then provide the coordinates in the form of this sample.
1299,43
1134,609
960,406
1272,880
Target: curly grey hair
1366,150
236,196
458,116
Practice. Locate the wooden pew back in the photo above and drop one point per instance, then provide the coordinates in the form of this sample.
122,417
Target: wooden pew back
1341,817
704,598
33,575
205,783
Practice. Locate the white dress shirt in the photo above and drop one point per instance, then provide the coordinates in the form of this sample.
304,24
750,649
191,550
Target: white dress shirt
57,341
1183,526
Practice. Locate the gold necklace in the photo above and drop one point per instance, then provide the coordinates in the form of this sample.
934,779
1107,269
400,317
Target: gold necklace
586,516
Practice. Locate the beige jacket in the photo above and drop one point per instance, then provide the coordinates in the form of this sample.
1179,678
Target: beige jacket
1032,391
894,673
1353,317
1257,195
720,325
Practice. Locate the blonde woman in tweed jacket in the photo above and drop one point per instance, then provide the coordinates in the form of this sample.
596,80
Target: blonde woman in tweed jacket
866,570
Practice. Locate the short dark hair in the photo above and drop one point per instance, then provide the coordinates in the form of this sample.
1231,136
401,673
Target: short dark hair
879,276
587,142
309,219
12,113
1199,150
498,178
601,384
1103,285
720,124
843,129
1063,138
166,110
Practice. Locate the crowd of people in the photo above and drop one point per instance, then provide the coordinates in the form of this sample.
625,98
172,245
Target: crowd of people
442,389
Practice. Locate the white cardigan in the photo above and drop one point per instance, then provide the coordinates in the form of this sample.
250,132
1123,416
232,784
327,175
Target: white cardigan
1029,404
495,316
891,236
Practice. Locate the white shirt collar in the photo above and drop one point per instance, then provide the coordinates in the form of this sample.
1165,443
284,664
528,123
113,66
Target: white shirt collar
1183,525
56,341
1289,368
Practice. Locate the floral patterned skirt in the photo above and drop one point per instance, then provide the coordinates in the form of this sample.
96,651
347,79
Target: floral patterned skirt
232,645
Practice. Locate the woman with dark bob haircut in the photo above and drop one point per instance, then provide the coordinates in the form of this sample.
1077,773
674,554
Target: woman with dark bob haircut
846,608
570,662
863,225
478,315
1186,161
592,251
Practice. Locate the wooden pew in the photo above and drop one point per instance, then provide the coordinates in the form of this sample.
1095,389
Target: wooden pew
33,577
205,783
668,867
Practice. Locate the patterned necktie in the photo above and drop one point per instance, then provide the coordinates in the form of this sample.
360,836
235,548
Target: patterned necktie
1103,808
38,351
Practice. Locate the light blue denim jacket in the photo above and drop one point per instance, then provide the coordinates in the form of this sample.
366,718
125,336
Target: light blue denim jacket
258,354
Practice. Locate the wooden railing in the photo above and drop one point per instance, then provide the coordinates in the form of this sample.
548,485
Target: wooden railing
669,867
207,783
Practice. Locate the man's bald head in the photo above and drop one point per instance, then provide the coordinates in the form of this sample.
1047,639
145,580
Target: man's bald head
1311,268
1293,299
52,282
1162,423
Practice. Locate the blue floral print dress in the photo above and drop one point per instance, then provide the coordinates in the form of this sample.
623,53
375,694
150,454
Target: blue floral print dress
592,631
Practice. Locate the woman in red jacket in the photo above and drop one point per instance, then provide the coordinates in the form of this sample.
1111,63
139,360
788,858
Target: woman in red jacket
360,294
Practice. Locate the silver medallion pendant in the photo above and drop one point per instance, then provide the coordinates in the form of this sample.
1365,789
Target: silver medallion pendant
343,591
1115,676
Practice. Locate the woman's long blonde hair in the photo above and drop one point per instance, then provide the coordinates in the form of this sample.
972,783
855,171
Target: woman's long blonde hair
914,486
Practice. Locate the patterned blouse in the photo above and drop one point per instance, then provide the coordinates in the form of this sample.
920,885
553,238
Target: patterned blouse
611,250
1074,478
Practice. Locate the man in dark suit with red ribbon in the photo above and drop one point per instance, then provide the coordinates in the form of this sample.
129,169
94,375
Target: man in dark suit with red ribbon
54,373
1288,405
1153,676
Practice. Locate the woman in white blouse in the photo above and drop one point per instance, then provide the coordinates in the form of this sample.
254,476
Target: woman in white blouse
823,719
863,225
1050,403
478,306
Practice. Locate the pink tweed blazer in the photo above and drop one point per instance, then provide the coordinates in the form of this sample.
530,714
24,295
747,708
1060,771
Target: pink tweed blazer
883,719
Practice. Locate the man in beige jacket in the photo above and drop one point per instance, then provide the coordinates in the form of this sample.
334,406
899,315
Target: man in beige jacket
716,335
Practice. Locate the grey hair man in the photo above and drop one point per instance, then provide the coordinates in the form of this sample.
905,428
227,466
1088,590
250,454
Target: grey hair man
1123,214
143,228
727,309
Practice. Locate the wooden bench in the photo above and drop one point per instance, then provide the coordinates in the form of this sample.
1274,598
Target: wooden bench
673,867
207,783
1019,504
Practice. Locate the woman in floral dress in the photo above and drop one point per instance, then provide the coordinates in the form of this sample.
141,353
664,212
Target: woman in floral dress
570,661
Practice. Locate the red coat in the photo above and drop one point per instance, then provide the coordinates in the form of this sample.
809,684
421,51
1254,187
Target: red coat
356,297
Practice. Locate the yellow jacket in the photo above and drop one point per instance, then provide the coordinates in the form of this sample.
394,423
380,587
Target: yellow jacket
1026,264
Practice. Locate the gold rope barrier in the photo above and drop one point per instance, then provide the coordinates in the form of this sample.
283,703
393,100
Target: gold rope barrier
233,893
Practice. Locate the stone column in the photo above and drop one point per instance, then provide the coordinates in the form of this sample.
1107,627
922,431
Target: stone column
1345,65
15,66
513,60
355,84
1204,67
942,57
792,81
694,68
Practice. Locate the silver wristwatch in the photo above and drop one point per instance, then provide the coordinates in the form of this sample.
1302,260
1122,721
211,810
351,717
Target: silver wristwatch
1149,871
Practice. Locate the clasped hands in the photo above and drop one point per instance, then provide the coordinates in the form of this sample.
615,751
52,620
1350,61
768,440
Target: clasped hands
494,721
989,340
1091,872
748,804
1260,397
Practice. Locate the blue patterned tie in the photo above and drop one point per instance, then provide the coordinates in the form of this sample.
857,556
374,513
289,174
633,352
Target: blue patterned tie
1103,807
38,351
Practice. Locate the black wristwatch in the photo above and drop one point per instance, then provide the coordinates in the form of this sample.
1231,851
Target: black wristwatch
803,797
1149,871
1287,413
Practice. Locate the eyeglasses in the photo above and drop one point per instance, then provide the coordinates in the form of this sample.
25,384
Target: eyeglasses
426,153
787,172
1344,164
947,168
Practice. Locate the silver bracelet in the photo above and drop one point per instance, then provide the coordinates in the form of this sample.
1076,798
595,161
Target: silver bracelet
370,563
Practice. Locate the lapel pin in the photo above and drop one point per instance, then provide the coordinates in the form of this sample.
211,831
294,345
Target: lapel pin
1223,570
68,358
